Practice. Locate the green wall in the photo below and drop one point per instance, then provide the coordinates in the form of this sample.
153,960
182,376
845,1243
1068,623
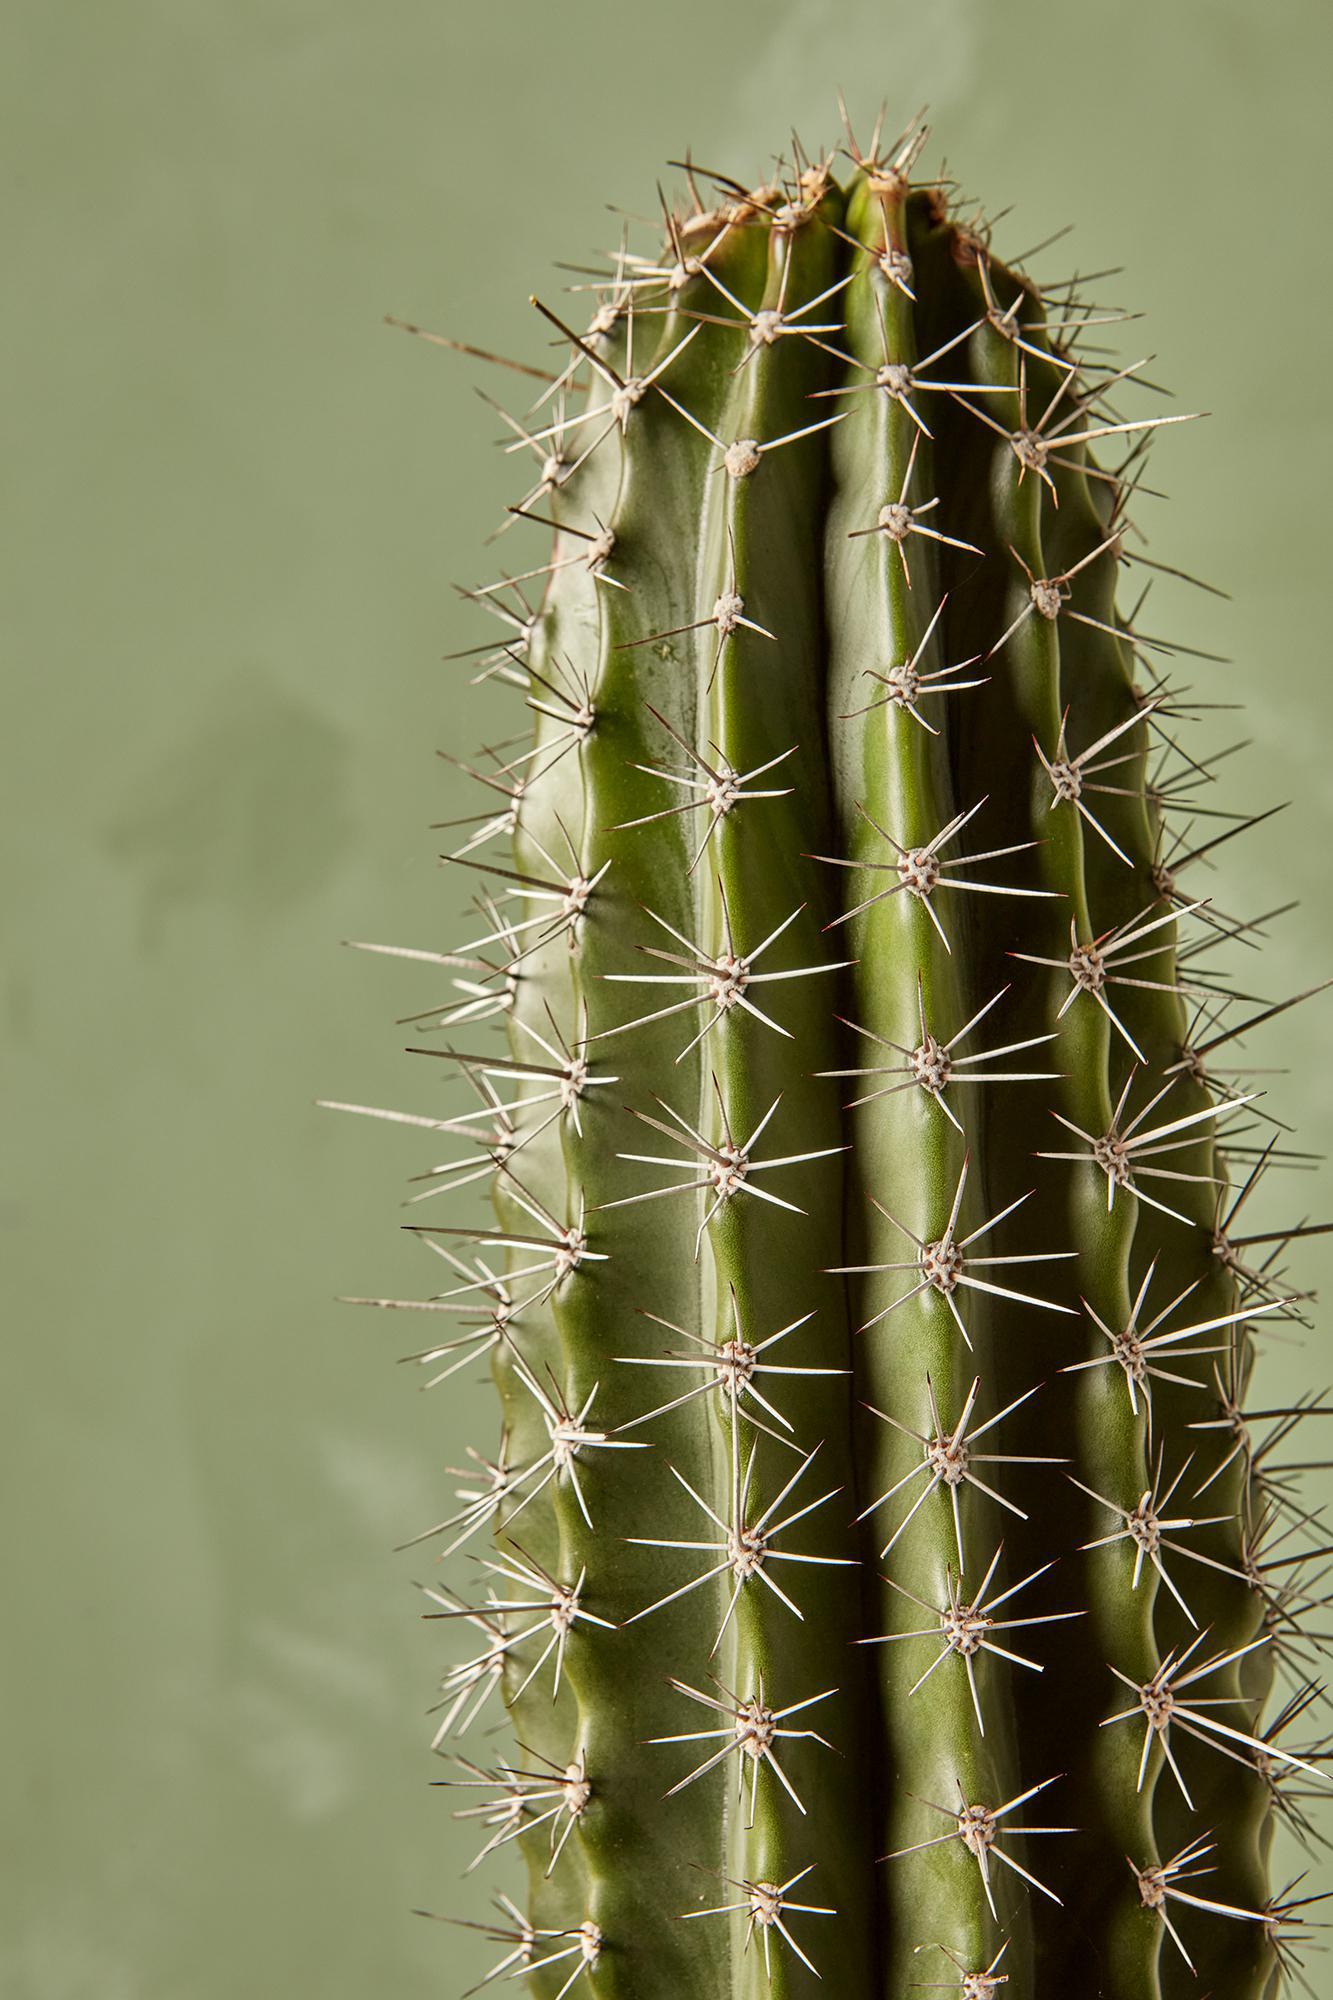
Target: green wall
235,506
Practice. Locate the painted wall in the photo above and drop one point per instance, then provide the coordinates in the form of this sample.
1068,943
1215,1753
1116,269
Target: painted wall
236,504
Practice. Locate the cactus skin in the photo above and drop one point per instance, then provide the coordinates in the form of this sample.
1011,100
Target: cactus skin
706,614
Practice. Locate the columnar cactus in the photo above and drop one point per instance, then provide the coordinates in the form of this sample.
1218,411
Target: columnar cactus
892,1582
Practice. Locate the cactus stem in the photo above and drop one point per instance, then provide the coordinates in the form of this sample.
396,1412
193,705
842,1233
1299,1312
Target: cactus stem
730,1367
1120,1153
571,897
1158,1701
966,1625
1069,775
921,872
749,1734
1146,1527
587,1946
1135,1349
948,1457
729,1165
743,456
766,1904
812,451
770,323
518,1792
1094,966
943,1265
932,1066
899,382
566,1243
569,1435
746,1548
560,1604
1157,1882
724,981
1049,596
977,1827
982,1985
721,789
897,521
1238,1420
907,684
628,390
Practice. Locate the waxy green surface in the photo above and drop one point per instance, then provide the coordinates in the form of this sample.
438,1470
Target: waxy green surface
788,527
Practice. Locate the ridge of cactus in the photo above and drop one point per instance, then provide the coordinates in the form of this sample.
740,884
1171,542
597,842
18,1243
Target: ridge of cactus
889,1571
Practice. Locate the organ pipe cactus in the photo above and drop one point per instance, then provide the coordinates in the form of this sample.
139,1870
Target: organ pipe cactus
887,1571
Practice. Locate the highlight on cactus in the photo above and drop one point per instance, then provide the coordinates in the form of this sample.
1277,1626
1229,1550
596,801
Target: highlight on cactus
891,1574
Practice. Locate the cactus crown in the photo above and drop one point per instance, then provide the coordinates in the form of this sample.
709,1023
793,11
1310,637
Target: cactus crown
892,1580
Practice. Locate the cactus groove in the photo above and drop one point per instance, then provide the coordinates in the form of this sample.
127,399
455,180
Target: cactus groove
889,1577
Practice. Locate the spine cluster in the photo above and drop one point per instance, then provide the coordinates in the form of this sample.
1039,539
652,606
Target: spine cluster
887,1571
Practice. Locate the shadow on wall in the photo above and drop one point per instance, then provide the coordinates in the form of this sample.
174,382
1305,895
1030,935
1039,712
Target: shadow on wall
250,813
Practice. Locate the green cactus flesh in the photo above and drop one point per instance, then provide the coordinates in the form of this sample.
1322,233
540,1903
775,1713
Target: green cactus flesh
886,1587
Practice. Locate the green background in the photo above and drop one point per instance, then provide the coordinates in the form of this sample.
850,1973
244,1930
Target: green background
235,504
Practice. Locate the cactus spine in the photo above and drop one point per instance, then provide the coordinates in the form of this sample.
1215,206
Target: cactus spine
887,1583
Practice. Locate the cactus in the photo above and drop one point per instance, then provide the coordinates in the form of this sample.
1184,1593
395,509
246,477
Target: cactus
893,1582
